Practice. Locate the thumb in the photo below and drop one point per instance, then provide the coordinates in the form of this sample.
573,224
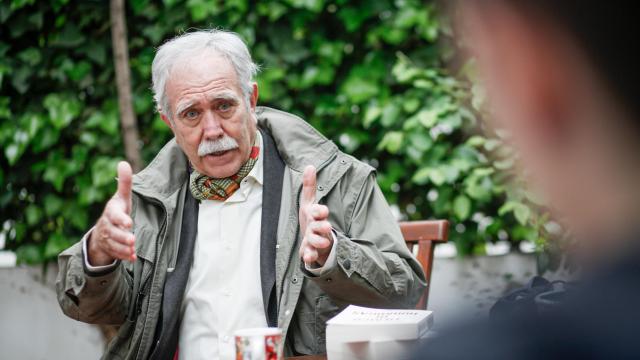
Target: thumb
309,185
124,183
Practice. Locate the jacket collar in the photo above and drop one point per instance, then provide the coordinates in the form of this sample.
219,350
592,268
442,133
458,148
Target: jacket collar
298,144
165,175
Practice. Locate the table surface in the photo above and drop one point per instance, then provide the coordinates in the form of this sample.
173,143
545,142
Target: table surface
308,357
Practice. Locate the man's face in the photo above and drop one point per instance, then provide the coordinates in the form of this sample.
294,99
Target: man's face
210,118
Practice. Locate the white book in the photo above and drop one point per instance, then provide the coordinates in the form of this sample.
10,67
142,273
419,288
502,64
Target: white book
358,324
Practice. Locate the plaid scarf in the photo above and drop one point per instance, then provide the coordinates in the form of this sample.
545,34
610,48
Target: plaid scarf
204,187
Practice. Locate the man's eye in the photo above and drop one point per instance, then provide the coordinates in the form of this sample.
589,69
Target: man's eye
224,107
191,114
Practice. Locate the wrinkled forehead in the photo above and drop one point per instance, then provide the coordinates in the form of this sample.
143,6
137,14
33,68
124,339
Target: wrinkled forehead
198,71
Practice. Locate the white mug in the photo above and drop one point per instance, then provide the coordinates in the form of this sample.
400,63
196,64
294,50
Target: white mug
259,344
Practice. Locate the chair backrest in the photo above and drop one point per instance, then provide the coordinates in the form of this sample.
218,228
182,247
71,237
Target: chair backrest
425,234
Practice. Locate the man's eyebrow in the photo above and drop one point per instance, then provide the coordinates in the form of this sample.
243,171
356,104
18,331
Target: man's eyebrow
224,95
184,105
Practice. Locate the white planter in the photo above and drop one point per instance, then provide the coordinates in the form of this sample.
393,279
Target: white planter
463,287
32,326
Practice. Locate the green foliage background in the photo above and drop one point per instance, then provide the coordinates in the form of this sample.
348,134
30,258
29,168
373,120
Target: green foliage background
371,75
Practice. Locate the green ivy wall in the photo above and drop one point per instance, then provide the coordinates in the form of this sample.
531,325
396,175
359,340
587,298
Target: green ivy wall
371,75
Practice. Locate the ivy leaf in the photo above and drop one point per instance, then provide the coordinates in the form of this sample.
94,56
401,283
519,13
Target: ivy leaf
311,5
52,204
62,109
521,211
33,214
359,89
12,152
29,254
392,141
522,214
462,207
69,37
55,245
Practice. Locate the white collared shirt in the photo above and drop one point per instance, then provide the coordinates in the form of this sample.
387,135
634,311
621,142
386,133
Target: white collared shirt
224,291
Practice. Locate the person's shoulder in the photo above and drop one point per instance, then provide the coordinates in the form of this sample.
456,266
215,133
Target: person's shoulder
273,113
357,167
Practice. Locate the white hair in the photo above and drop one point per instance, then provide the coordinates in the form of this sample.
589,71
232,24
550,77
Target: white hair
225,43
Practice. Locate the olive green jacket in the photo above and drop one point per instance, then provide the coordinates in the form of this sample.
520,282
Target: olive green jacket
373,267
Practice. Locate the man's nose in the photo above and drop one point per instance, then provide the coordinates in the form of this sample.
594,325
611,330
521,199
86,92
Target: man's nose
211,126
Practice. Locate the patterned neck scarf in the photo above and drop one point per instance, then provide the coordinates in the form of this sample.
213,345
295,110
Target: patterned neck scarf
204,187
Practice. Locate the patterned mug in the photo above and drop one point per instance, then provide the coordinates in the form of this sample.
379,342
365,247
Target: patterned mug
259,344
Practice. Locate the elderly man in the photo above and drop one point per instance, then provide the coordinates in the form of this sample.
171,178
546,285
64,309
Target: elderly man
248,218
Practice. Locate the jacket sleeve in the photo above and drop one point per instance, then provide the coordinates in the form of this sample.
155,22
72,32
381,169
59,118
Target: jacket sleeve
93,297
374,266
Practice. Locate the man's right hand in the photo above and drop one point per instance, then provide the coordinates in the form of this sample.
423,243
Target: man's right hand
111,238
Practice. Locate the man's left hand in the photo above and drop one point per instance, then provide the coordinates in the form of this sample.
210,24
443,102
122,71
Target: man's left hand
314,223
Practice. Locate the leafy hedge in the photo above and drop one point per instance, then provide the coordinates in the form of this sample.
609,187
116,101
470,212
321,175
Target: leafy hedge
371,75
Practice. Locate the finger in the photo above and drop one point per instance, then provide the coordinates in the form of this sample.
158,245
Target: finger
318,241
122,236
310,255
319,227
119,251
302,249
119,218
124,183
308,185
318,212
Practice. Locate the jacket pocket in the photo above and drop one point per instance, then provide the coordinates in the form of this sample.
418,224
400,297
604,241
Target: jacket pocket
325,309
304,333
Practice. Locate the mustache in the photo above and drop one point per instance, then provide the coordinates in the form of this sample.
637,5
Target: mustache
209,146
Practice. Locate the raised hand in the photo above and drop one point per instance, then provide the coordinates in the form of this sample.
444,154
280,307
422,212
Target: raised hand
314,224
112,238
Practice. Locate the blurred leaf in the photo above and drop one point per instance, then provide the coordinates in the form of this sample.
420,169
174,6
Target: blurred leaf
391,141
55,245
62,109
29,254
462,207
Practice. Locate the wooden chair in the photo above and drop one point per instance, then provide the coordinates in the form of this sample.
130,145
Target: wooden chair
425,234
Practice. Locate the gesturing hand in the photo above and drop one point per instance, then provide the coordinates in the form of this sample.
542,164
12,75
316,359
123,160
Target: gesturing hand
111,238
317,241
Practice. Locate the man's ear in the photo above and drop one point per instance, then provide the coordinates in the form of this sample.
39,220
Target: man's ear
254,97
166,120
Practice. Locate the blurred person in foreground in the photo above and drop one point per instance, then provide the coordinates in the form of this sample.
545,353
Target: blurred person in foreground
247,218
562,77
